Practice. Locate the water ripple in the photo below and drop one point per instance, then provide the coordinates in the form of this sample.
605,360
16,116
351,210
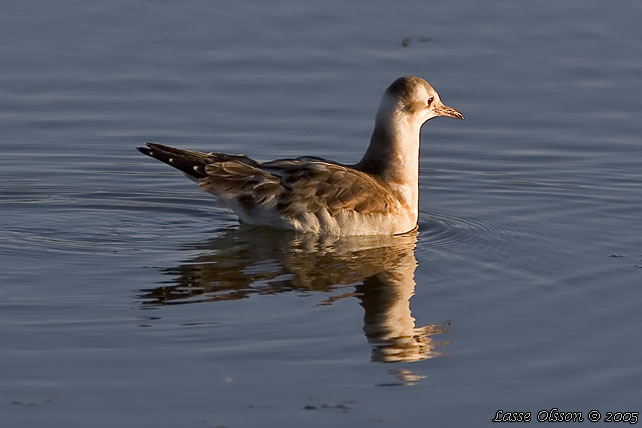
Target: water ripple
445,230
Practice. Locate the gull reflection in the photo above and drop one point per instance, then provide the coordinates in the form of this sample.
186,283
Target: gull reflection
377,270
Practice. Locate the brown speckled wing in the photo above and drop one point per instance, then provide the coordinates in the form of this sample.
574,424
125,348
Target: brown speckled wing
291,186
247,183
310,184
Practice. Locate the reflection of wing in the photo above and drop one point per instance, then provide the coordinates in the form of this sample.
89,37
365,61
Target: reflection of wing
250,261
297,186
378,270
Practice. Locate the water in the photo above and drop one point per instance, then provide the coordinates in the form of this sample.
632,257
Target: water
127,299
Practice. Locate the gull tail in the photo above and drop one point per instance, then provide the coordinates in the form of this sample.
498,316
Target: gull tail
190,162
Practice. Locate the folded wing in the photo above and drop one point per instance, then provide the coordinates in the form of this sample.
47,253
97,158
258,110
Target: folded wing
288,187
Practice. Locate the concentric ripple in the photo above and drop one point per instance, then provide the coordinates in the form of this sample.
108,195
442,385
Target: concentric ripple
446,232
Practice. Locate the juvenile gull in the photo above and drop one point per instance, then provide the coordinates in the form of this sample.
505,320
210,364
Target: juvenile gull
377,196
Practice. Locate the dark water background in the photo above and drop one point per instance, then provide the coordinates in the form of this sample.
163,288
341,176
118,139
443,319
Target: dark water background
127,299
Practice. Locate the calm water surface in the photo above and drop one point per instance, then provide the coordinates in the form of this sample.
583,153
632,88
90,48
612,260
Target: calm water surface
127,299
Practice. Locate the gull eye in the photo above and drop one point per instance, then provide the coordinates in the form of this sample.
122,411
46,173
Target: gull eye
429,102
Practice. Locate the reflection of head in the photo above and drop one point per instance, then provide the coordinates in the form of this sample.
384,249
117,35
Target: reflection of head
247,261
388,321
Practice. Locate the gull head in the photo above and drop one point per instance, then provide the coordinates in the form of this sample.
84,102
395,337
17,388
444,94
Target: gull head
411,101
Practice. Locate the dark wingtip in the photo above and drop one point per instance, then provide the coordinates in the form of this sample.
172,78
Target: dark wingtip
144,150
151,146
191,163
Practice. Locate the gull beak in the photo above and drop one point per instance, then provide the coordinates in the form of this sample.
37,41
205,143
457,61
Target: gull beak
446,111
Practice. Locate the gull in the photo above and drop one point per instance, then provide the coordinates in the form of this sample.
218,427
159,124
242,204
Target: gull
377,196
